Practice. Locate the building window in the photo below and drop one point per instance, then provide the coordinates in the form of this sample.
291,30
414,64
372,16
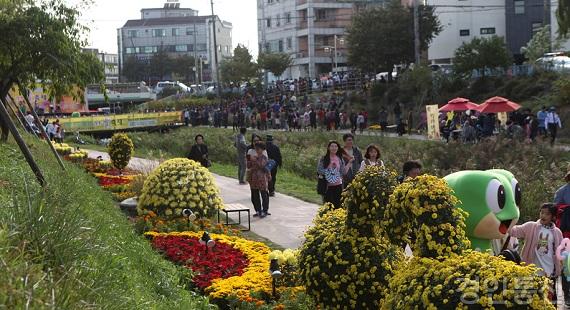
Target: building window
132,50
269,22
288,18
158,33
189,31
201,47
269,1
278,20
321,14
280,46
536,26
219,48
150,49
181,48
464,32
289,43
176,32
519,7
227,49
267,47
132,33
488,30
325,40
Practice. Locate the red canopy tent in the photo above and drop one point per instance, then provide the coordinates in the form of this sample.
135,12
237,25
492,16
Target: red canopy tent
497,105
459,104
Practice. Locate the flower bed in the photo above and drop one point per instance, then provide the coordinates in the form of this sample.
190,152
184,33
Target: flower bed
240,282
222,261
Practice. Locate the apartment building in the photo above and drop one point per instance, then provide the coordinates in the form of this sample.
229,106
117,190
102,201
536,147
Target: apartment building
177,31
461,22
313,32
110,63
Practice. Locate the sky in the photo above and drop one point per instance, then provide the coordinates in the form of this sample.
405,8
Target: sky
104,17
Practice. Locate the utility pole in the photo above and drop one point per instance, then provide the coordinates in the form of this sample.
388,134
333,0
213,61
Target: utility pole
218,86
335,59
195,58
417,32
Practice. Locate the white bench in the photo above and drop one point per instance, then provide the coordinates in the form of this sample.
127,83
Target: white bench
239,208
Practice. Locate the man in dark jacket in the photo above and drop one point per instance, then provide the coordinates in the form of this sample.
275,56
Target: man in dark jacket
273,152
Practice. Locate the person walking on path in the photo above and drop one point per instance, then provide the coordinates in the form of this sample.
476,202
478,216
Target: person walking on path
333,168
371,157
353,155
541,116
258,178
274,153
241,147
199,152
552,123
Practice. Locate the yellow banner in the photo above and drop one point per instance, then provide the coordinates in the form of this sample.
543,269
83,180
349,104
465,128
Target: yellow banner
502,116
118,122
433,121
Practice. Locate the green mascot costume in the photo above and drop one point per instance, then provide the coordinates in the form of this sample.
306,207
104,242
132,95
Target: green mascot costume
492,199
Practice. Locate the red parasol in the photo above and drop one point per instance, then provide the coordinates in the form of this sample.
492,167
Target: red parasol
497,105
459,104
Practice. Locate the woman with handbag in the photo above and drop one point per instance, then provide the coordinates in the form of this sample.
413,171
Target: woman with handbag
258,179
199,152
333,168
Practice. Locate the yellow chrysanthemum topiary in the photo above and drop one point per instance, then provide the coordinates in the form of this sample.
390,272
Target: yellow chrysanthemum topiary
472,280
422,213
120,150
344,263
366,198
179,184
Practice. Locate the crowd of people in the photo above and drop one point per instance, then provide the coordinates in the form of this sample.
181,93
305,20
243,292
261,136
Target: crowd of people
470,126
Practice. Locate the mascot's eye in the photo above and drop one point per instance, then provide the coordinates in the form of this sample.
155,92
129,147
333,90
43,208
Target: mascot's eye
495,196
517,191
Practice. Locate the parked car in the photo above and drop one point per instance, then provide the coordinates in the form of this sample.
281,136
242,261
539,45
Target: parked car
554,61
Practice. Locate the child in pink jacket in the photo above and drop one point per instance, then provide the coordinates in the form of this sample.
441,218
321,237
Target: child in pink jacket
541,238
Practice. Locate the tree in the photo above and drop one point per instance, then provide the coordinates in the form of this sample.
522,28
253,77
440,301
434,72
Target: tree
563,17
276,63
481,54
240,67
42,39
381,37
183,65
160,64
135,70
540,44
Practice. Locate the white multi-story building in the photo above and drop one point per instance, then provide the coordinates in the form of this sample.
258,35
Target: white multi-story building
177,31
462,21
311,31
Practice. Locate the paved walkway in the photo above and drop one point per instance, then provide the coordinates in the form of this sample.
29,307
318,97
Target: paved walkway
289,218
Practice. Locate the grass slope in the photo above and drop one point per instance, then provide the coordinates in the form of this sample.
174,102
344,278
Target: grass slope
68,247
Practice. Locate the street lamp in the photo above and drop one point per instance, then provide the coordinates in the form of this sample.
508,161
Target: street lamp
275,274
207,241
190,215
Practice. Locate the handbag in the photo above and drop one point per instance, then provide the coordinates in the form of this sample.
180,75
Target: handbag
270,165
321,185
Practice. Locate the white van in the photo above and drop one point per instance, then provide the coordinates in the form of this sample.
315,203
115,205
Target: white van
162,85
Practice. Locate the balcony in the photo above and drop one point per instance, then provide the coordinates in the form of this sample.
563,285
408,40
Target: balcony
303,24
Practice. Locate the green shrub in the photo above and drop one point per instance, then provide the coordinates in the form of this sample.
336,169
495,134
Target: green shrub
121,149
